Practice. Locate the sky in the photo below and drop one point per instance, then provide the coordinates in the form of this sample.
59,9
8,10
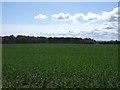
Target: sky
96,20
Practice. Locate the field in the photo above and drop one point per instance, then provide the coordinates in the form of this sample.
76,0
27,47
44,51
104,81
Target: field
60,66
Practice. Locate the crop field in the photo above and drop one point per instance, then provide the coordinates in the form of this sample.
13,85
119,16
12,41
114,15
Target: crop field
60,66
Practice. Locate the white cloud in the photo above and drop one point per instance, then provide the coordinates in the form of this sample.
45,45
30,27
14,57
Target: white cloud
77,17
81,17
92,17
111,16
40,16
61,17
110,25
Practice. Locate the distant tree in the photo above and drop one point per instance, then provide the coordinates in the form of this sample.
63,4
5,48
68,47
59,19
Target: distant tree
31,39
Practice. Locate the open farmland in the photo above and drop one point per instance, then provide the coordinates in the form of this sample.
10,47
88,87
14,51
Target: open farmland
60,66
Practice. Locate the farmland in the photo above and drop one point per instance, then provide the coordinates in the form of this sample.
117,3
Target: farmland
60,66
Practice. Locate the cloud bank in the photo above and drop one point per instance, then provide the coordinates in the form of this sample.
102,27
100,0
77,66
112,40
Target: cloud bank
110,16
104,31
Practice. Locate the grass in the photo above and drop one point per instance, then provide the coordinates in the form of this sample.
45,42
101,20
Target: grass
60,66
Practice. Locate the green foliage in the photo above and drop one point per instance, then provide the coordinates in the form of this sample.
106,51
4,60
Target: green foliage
60,66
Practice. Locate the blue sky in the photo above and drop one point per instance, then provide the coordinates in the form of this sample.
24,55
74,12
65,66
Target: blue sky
21,15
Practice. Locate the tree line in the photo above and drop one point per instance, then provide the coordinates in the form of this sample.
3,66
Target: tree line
109,42
31,39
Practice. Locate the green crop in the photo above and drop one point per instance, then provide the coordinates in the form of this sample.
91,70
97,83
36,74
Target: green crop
60,66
